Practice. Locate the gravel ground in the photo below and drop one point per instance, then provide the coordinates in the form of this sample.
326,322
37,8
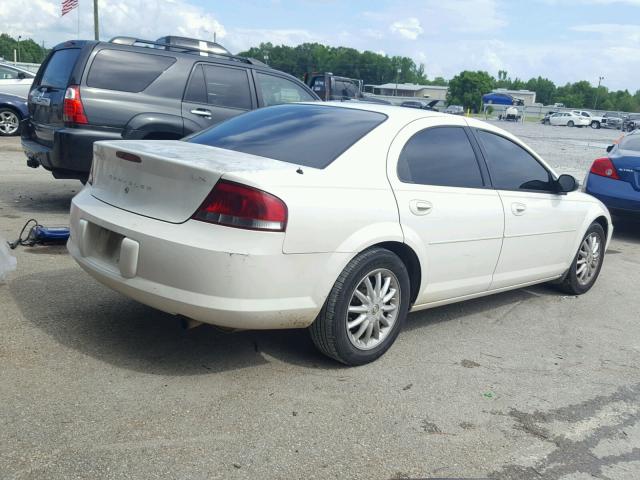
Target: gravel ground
528,384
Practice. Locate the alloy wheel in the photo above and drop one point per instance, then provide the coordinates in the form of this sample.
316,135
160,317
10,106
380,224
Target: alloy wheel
9,122
589,257
373,309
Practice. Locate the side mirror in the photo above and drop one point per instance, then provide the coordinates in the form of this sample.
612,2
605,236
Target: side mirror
609,148
22,75
567,183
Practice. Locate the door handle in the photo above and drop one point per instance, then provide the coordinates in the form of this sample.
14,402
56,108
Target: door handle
518,208
420,207
203,112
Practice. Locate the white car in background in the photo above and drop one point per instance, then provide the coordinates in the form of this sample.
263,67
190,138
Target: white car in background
568,119
338,217
15,81
595,121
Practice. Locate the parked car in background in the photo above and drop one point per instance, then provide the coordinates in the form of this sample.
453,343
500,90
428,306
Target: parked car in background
631,122
612,120
424,105
547,116
510,114
595,121
498,98
138,89
454,110
568,119
13,110
615,179
244,225
15,80
333,87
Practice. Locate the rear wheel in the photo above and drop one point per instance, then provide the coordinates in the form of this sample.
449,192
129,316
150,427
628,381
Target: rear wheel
365,310
570,123
9,122
587,263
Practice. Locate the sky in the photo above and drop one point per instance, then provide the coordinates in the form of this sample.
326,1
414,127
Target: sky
563,40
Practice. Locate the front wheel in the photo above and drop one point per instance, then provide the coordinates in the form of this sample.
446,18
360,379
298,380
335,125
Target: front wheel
570,123
587,263
365,310
595,124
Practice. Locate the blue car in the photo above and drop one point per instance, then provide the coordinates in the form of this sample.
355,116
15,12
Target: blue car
615,179
12,111
496,98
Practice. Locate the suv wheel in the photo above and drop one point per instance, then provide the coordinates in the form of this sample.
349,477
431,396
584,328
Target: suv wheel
9,122
570,123
595,124
365,310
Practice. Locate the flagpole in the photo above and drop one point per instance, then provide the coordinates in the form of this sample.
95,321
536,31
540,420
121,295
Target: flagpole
78,20
95,20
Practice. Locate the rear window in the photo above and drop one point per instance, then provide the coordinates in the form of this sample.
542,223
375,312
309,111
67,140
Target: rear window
308,135
126,71
59,68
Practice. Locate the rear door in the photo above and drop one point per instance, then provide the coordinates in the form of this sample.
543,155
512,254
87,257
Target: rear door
215,93
47,97
447,206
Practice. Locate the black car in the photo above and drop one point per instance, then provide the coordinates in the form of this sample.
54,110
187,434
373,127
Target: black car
138,89
631,122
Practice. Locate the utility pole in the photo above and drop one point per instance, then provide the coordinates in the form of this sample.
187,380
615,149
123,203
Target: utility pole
19,38
397,75
96,30
595,103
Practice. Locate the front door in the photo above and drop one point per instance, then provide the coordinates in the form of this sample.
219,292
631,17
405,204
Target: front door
447,210
540,224
214,94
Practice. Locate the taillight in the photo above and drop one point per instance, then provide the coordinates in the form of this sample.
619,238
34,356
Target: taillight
236,205
604,167
73,111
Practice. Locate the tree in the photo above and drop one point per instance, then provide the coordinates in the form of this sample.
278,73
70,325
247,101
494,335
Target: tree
30,51
467,88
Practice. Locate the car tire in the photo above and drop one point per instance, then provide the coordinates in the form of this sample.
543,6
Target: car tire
570,123
9,122
595,124
356,309
582,274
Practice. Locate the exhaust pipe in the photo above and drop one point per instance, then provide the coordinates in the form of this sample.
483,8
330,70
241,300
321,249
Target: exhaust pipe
189,323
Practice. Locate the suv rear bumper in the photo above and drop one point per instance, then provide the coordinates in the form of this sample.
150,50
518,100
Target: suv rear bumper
72,151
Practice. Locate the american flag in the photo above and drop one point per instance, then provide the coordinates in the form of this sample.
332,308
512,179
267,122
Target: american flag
68,5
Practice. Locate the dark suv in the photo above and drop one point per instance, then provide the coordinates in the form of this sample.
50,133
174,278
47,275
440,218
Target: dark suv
137,89
631,122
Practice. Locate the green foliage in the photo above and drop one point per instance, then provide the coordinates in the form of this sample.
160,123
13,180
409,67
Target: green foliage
29,51
467,88
313,57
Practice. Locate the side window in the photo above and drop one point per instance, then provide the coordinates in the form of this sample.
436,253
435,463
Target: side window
440,156
511,167
8,73
126,71
197,88
277,90
227,87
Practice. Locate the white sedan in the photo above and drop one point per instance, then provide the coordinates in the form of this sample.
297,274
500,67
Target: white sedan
338,217
569,119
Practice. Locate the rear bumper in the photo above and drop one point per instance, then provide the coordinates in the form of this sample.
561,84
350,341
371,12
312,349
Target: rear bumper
71,153
218,275
618,196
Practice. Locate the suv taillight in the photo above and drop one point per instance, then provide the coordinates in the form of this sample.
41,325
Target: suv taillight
73,111
605,168
236,205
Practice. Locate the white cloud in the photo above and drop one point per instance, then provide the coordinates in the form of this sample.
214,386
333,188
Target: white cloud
408,28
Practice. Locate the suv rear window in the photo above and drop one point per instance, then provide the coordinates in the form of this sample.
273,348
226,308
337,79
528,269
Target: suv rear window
59,68
126,71
308,135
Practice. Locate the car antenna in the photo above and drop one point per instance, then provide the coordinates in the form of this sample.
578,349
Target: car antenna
299,170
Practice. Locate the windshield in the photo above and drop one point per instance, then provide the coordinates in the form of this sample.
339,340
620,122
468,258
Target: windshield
308,135
630,142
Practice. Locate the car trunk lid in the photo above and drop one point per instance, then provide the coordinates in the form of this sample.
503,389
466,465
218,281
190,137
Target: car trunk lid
627,163
165,179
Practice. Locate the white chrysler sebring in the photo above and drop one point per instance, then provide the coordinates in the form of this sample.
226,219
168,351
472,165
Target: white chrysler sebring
340,217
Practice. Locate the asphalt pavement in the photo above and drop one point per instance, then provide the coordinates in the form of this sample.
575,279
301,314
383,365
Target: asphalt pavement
529,384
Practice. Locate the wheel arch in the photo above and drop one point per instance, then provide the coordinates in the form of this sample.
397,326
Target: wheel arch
410,260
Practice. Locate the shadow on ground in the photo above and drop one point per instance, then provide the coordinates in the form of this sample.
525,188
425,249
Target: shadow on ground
41,197
86,316
627,230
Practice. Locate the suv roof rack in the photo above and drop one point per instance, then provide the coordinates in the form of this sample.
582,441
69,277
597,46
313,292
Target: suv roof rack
211,49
